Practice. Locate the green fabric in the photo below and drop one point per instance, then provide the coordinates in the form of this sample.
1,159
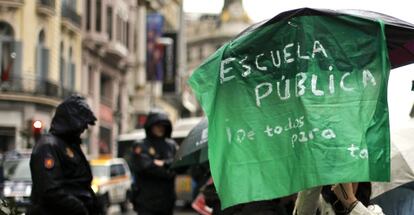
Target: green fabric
315,115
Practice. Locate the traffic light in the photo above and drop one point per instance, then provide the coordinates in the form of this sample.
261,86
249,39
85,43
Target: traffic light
37,127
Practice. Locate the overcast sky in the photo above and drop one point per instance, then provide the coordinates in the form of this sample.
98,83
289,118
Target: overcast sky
400,96
264,9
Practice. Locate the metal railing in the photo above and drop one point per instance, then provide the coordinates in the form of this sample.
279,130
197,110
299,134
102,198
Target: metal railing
71,14
35,87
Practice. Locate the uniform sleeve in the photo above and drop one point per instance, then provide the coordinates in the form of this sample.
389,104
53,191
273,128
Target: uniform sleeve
48,178
144,165
307,202
173,148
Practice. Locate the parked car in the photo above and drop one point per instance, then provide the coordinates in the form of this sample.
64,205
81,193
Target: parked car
111,182
18,182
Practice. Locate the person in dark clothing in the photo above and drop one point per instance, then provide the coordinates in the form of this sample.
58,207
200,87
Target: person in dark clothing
280,206
265,207
60,172
154,181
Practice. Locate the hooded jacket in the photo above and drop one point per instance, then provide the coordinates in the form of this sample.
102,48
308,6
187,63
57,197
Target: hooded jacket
60,171
154,185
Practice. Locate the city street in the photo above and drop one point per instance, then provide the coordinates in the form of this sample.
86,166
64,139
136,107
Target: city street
114,210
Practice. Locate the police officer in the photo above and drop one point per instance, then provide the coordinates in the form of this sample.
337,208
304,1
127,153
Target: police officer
154,190
60,172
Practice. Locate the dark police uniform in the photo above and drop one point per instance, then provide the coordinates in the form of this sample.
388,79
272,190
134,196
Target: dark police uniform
154,186
60,172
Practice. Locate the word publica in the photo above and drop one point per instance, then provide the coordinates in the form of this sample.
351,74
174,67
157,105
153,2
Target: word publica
264,89
288,57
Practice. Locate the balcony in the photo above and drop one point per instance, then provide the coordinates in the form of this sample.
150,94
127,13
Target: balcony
116,52
33,90
12,3
71,18
46,7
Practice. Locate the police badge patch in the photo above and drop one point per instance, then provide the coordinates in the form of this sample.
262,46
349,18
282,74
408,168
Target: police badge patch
49,163
69,152
152,151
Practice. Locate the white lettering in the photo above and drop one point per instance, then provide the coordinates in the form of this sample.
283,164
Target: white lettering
273,58
278,130
250,135
241,134
315,91
294,138
305,57
367,76
331,84
328,134
247,67
268,131
228,135
363,154
352,150
303,137
223,71
262,68
342,82
267,93
287,87
287,55
317,47
300,88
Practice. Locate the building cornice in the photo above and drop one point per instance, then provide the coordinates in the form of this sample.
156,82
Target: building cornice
30,99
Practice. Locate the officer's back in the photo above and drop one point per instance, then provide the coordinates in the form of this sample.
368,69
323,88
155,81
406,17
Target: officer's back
60,172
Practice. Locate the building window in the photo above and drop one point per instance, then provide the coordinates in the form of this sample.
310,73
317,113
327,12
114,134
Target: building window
98,15
105,139
70,3
123,32
41,40
42,58
119,28
88,15
188,55
127,35
109,22
106,89
135,41
91,81
7,54
201,53
71,70
7,138
62,64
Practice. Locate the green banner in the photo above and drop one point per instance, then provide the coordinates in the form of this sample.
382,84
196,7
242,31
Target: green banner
295,104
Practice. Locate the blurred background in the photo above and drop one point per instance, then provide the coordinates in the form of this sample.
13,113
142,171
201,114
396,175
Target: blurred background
129,57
